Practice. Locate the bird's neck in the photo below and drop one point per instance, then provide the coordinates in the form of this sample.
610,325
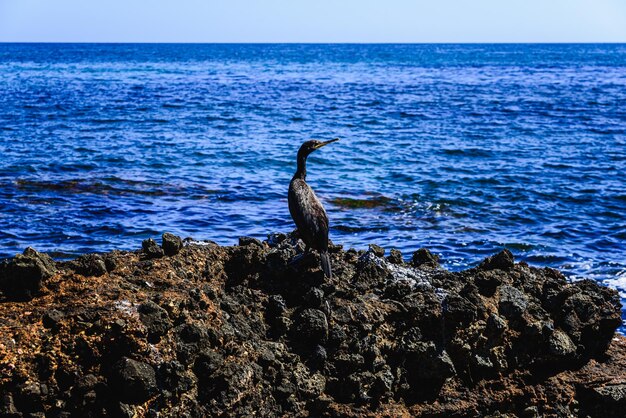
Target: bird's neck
301,171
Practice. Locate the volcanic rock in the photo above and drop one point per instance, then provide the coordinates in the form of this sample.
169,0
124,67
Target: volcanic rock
424,258
25,274
52,319
377,250
89,265
311,326
223,331
171,244
151,249
155,319
502,261
395,256
512,302
134,380
243,241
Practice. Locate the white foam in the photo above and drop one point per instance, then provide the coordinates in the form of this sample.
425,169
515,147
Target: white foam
618,282
193,242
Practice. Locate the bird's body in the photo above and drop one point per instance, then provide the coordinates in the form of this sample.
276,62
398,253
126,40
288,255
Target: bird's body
306,209
309,215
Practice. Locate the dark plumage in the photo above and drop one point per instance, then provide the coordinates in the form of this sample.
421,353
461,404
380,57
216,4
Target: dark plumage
306,209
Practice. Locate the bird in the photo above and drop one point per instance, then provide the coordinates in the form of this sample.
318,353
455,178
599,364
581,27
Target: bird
306,210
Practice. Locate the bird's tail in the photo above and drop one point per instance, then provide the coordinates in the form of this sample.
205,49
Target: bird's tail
326,264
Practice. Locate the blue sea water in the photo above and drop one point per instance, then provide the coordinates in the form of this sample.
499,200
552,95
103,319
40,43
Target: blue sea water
464,149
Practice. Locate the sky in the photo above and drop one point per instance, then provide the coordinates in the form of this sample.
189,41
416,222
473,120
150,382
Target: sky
360,21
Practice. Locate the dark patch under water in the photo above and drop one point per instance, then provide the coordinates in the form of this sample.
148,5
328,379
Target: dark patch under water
463,149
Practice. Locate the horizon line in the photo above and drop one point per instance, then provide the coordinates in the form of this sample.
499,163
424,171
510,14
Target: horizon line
319,43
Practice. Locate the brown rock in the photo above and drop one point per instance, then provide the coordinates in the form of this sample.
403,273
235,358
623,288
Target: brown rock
220,331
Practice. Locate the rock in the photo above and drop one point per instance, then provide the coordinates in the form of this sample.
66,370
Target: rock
502,261
52,319
487,282
512,302
579,311
243,241
207,364
174,377
192,333
334,248
155,319
221,331
125,411
273,240
89,265
603,401
229,384
151,249
276,305
459,310
613,394
427,362
30,397
87,383
318,358
135,381
312,386
311,326
395,256
110,263
371,272
7,407
496,324
171,244
561,345
383,384
348,363
424,258
314,297
377,250
531,412
25,274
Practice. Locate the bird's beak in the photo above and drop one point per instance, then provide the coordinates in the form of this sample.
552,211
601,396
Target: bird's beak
326,143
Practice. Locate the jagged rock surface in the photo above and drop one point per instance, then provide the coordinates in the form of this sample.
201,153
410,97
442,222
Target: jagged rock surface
221,331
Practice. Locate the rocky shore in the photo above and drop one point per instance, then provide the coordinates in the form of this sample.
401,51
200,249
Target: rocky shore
197,329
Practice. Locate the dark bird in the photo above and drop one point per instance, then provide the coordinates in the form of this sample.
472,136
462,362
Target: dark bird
306,209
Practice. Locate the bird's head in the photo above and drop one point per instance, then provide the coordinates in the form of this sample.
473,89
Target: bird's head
310,146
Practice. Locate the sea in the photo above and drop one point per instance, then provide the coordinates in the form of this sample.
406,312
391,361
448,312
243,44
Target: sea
464,149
